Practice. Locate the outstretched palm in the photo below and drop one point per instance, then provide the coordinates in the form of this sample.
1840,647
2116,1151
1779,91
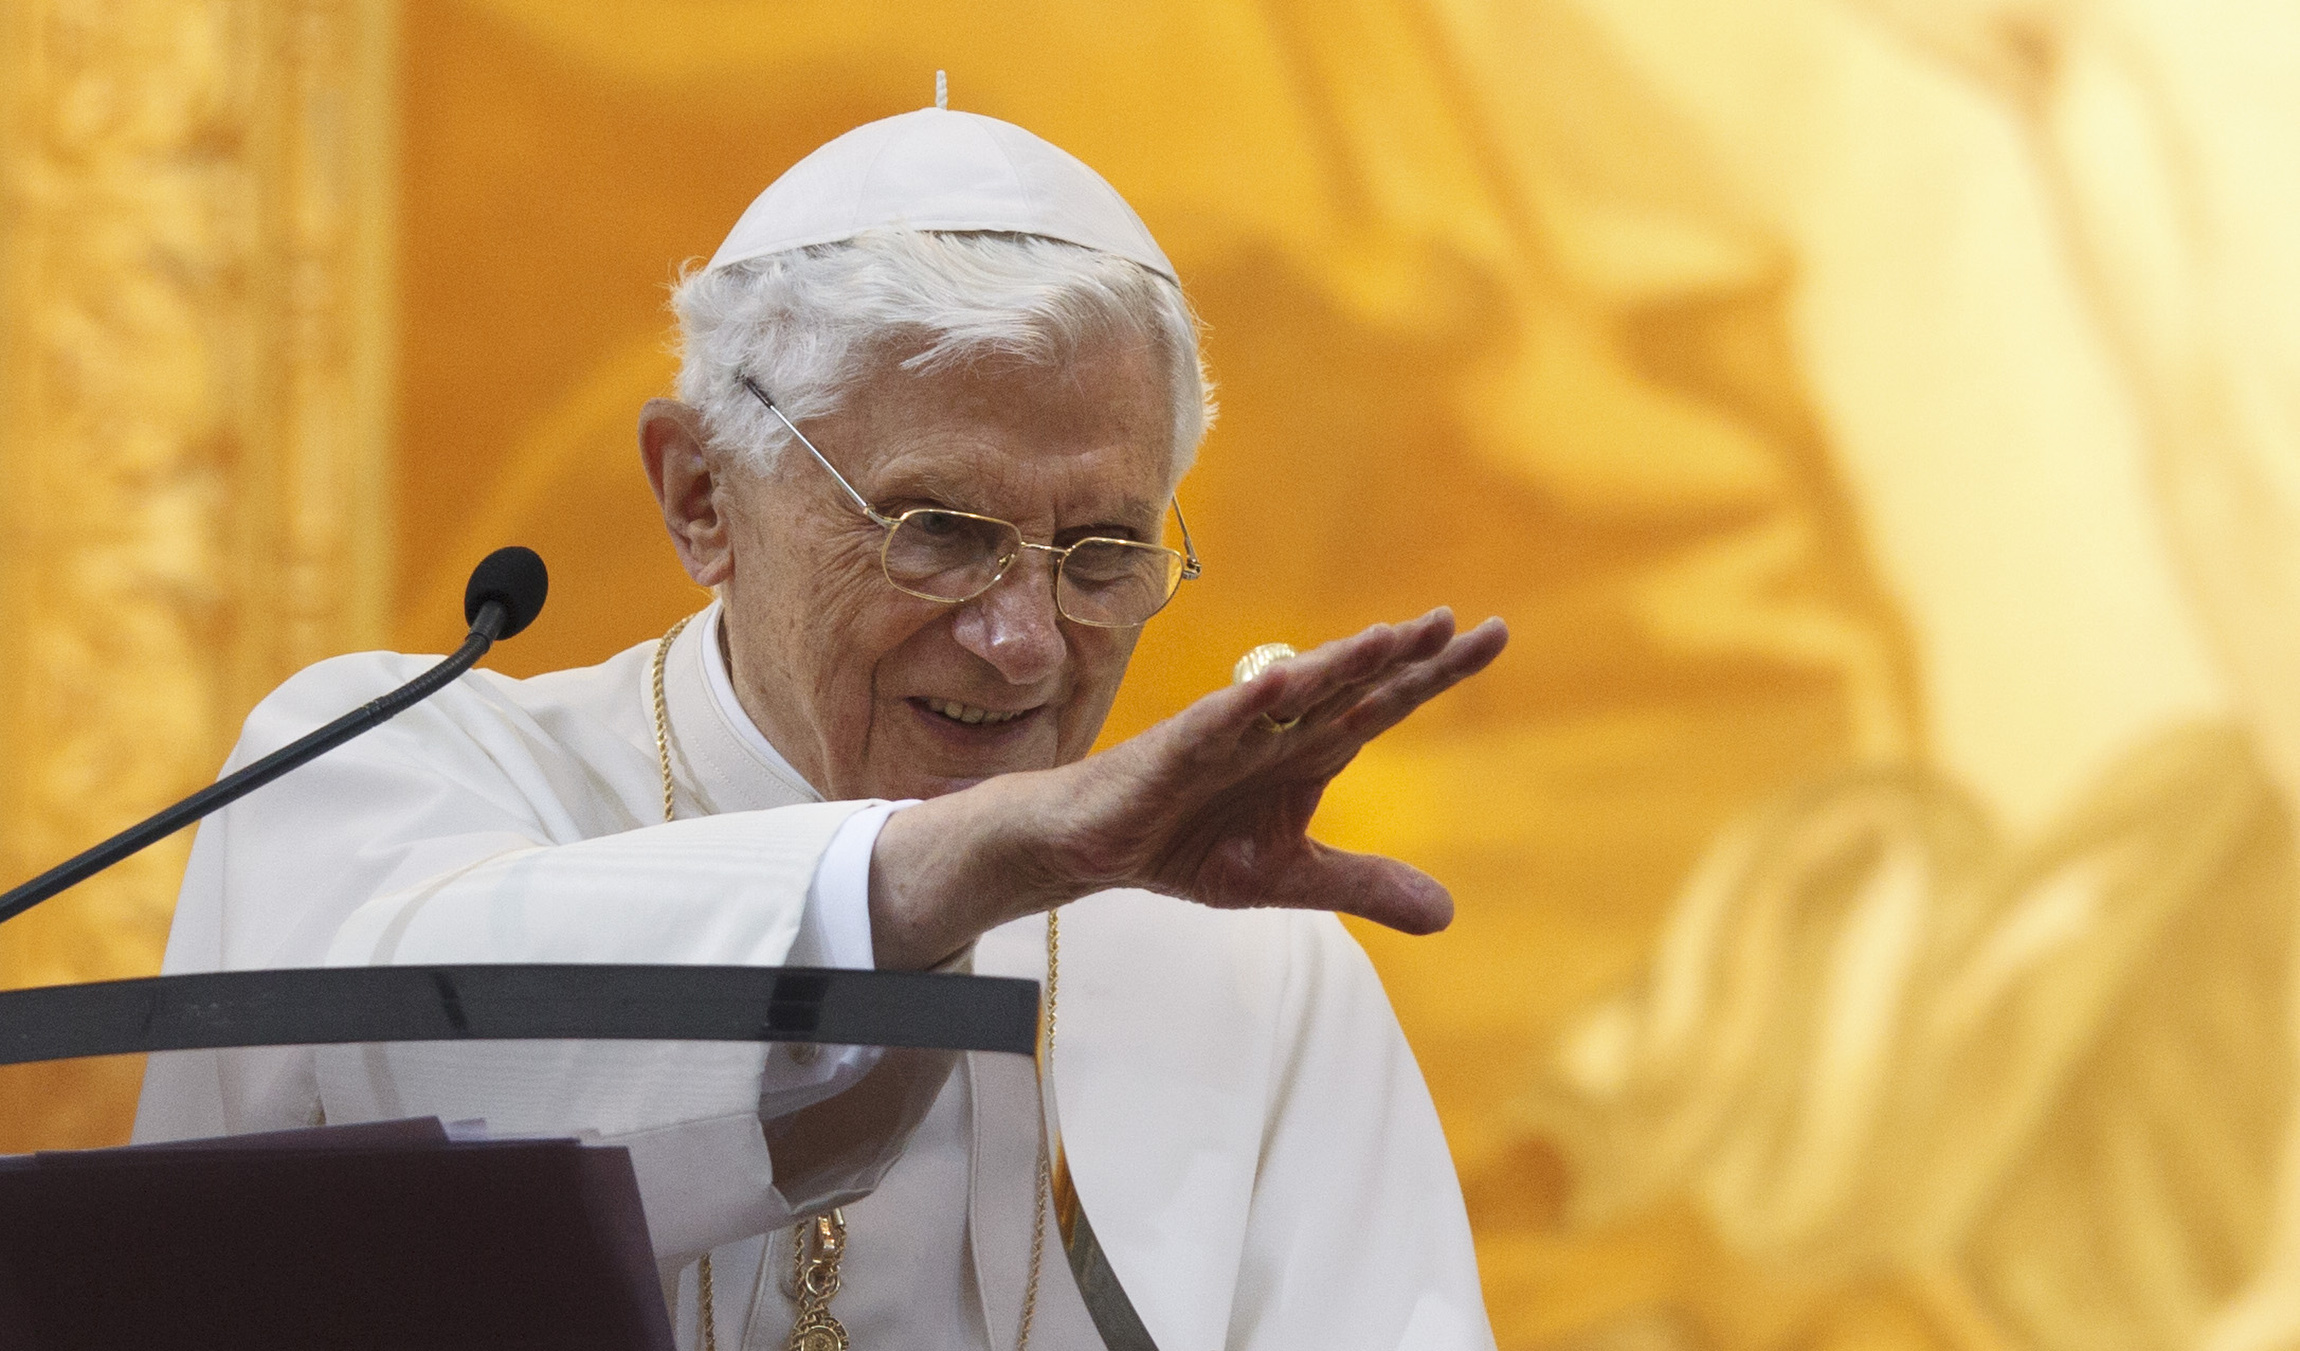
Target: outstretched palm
1213,805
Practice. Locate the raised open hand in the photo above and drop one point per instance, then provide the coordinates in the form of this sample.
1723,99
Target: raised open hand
1214,806
1211,805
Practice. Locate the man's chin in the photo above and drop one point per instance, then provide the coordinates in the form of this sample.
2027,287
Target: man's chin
938,756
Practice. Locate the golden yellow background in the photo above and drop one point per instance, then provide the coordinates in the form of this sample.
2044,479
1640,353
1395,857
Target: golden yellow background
1811,385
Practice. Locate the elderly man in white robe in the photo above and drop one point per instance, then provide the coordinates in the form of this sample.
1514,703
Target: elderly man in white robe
938,388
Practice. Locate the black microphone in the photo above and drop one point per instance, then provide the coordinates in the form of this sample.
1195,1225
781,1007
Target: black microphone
505,594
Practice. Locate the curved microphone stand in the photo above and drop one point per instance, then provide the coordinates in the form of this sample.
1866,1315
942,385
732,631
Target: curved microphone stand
505,593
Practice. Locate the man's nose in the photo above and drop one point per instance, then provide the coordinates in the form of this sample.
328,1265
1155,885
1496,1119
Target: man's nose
1014,625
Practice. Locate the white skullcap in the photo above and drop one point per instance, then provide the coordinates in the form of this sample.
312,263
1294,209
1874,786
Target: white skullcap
940,170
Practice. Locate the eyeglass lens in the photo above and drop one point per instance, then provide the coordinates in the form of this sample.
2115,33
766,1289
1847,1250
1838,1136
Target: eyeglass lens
954,556
948,555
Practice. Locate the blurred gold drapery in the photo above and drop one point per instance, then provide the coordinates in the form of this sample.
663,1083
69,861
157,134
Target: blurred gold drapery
195,230
2036,1085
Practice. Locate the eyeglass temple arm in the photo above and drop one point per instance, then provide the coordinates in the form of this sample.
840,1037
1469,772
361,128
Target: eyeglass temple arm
1190,568
859,499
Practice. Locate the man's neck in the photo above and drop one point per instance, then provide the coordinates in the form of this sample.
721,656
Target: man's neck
719,675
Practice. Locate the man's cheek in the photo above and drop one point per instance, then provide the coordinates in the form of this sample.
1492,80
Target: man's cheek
852,592
843,614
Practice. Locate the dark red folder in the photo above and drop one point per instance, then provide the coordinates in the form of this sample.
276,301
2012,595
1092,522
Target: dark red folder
354,1237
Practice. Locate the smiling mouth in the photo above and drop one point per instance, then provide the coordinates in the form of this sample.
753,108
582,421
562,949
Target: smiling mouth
968,715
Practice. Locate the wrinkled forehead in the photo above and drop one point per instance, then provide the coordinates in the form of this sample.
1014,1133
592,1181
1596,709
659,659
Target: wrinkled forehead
1090,435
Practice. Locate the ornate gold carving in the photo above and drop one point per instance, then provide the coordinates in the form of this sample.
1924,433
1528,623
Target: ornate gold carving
194,311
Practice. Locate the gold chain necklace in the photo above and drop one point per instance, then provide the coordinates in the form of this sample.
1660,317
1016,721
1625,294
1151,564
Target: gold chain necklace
815,1276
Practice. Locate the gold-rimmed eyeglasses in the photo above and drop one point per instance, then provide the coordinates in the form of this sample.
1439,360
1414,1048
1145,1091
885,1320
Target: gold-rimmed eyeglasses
939,554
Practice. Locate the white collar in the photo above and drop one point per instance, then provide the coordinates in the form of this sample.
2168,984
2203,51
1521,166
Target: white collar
722,687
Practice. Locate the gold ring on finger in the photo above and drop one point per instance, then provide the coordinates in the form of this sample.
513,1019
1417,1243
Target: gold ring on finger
1253,664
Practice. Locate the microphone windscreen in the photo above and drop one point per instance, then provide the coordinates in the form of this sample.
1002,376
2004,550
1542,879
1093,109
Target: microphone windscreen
515,577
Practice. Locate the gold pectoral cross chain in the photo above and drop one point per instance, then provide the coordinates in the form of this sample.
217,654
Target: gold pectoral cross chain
817,1245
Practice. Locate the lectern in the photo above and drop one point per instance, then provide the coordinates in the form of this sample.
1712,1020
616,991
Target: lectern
399,1234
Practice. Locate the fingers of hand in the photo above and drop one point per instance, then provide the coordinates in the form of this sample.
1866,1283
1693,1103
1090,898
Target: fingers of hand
1415,684
1331,678
1281,692
1418,641
1383,890
1322,684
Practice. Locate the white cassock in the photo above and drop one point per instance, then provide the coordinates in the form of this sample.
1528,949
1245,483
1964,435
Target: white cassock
1243,1119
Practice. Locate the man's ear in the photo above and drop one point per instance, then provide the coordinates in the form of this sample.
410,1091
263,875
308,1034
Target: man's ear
686,488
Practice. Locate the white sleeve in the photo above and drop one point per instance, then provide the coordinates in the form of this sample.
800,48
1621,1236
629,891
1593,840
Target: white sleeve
724,889
466,831
834,931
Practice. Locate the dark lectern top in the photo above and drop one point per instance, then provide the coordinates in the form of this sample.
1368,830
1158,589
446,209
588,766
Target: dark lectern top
343,1004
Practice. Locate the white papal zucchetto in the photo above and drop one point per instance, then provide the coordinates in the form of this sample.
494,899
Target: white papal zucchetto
941,170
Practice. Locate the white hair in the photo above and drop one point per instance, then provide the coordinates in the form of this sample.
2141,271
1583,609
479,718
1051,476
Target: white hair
808,324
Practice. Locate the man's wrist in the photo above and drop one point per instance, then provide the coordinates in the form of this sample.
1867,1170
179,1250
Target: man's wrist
952,868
